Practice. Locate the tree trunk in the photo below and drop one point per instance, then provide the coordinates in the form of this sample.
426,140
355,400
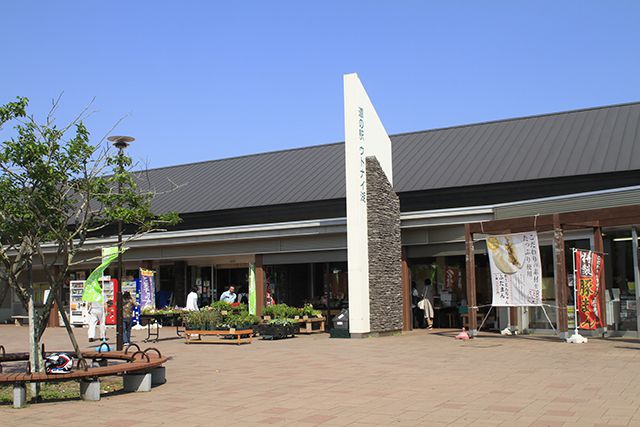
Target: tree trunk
34,346
72,337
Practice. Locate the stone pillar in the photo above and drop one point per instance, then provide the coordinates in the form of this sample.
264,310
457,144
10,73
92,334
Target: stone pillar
90,389
158,375
137,382
19,396
384,247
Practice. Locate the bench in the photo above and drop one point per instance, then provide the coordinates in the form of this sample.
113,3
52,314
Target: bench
235,334
140,370
18,320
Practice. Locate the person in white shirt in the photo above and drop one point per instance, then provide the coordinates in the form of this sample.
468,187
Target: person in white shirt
96,316
229,296
192,300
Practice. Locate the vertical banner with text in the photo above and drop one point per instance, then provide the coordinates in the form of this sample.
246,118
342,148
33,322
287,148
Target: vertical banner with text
147,289
516,271
588,271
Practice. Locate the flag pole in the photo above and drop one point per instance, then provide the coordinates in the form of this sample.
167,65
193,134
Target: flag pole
576,337
575,295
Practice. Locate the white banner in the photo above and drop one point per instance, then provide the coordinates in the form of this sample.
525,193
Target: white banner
516,272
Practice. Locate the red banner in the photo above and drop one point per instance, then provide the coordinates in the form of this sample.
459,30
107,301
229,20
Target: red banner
589,267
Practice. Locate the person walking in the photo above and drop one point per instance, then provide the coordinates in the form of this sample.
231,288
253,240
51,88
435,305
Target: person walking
128,304
97,317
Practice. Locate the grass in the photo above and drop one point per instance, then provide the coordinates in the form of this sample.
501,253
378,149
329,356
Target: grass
65,390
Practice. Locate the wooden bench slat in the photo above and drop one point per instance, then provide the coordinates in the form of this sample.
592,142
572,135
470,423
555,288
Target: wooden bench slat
138,365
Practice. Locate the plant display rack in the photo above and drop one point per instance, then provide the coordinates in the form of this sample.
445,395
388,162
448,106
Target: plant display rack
311,325
240,336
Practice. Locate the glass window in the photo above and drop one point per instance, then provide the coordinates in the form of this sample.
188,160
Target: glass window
621,307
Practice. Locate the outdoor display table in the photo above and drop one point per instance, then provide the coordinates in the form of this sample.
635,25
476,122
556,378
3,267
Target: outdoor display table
159,319
311,325
237,336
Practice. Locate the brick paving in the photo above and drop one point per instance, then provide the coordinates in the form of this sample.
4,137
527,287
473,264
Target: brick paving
419,378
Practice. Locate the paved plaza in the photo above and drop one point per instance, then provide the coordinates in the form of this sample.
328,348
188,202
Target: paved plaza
419,378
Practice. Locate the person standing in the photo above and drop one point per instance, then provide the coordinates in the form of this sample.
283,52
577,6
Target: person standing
418,313
229,296
429,301
192,300
96,316
128,304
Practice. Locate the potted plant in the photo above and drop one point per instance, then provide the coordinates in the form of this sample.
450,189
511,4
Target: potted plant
277,329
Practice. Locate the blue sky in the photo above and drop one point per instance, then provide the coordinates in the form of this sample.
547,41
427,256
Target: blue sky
200,80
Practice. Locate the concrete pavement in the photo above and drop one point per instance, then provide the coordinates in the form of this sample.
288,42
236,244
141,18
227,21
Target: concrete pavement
420,378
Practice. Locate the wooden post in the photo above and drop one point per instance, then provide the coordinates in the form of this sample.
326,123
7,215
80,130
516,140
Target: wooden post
471,280
598,246
259,285
560,277
407,313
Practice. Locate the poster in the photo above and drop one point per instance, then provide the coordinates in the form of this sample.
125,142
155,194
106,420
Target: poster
588,269
451,277
147,289
516,272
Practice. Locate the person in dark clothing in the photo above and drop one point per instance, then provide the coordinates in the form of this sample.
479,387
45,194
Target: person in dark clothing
128,304
418,314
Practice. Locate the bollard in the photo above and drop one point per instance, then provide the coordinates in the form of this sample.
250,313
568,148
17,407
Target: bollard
137,382
19,396
90,389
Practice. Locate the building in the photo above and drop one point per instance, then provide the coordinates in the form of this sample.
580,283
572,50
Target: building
285,212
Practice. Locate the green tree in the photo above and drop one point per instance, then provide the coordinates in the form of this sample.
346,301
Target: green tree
57,190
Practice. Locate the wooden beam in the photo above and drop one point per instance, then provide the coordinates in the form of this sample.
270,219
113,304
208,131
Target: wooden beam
516,225
598,246
259,285
606,217
406,293
560,276
471,279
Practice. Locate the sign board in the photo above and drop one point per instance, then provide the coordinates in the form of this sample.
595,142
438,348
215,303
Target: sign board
147,289
365,136
516,271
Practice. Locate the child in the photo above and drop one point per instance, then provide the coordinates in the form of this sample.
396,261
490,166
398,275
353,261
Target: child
128,304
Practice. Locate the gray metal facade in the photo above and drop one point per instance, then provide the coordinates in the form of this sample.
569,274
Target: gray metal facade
573,143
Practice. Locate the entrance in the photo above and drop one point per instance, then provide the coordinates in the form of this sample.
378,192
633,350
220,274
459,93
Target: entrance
236,277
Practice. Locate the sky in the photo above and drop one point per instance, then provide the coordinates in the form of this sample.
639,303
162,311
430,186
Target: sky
202,80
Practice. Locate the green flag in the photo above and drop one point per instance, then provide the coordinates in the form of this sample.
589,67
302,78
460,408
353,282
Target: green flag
252,288
92,290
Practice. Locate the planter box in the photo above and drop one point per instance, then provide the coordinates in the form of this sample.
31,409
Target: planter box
275,332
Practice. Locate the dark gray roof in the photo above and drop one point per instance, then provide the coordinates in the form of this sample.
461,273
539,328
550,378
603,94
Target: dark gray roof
580,142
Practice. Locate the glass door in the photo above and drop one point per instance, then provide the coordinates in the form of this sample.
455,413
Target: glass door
621,283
